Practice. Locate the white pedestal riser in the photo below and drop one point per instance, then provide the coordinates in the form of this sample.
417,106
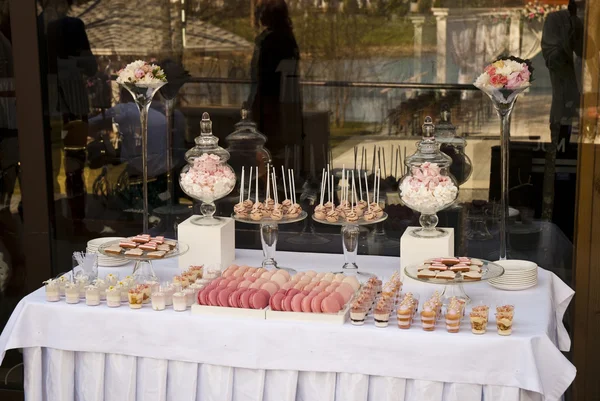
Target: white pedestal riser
209,245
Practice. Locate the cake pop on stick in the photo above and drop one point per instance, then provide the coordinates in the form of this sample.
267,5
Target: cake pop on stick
328,204
294,209
248,203
357,208
239,208
351,215
369,215
268,207
332,215
286,201
257,213
320,210
375,208
277,212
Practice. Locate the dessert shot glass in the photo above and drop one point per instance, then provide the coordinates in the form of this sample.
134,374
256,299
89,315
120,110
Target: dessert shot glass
478,322
504,321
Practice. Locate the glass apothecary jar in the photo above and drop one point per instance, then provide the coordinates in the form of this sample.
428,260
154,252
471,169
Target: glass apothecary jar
454,146
207,176
246,146
428,186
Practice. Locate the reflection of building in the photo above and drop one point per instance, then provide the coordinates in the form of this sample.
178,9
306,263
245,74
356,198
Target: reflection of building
471,38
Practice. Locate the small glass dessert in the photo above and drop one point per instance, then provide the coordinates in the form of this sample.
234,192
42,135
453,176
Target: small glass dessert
428,315
478,322
453,316
52,290
168,289
404,314
381,315
111,279
158,300
190,296
154,285
179,302
72,293
113,296
136,297
504,322
146,291
123,290
82,281
181,280
101,284
358,313
92,295
62,281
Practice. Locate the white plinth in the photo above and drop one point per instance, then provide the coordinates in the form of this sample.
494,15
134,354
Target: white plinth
209,245
415,250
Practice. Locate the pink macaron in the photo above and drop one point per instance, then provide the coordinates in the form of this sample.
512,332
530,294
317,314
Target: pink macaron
297,302
300,285
259,300
330,305
288,285
275,301
285,273
315,304
202,298
251,270
245,284
339,297
287,303
270,286
229,271
311,273
225,282
245,298
280,279
233,298
213,296
306,301
223,297
247,274
251,279
292,291
267,275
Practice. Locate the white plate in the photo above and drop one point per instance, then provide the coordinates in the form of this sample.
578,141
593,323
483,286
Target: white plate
511,265
517,277
96,242
510,288
517,284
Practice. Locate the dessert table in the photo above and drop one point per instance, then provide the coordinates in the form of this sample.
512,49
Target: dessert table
78,352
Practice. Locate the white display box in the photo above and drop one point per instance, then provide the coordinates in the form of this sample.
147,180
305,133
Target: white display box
415,250
338,318
209,245
256,314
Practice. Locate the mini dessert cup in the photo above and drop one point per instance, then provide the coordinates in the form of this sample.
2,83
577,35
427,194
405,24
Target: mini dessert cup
453,320
158,300
505,308
478,322
113,297
504,322
62,281
72,293
52,290
123,287
381,317
179,302
181,280
82,282
112,279
92,295
136,298
428,319
168,289
101,284
154,285
146,291
404,315
358,314
190,296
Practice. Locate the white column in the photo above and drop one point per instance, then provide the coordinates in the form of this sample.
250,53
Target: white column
441,16
418,22
514,34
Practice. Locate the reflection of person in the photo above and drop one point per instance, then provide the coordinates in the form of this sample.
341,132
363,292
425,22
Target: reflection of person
127,116
69,60
275,97
562,40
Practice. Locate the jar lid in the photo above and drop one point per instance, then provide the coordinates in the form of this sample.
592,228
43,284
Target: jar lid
246,133
206,143
428,150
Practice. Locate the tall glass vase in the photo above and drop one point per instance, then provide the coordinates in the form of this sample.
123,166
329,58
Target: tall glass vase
142,95
504,101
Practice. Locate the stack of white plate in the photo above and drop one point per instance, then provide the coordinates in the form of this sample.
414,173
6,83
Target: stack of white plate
103,260
518,275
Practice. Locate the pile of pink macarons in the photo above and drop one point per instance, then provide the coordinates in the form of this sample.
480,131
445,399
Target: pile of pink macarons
257,288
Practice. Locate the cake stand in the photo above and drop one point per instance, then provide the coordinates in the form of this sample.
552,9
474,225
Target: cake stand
454,288
143,263
350,232
269,233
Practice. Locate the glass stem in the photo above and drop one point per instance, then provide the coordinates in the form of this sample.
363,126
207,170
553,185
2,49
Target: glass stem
269,233
144,124
504,112
169,103
350,244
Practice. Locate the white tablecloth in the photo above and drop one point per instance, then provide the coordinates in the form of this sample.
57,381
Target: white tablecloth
97,353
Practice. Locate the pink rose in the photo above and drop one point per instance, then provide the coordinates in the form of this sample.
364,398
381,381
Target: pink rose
139,73
498,81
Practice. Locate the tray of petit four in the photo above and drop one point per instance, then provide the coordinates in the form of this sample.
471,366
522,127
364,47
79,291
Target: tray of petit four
454,270
143,247
251,292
